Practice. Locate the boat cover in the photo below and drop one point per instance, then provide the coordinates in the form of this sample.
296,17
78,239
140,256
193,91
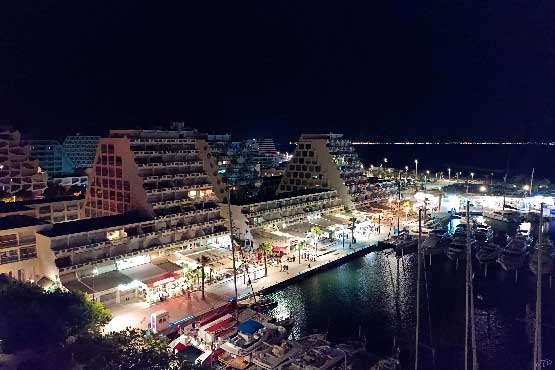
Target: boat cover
250,327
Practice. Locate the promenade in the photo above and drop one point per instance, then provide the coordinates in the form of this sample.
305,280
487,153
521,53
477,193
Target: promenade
136,314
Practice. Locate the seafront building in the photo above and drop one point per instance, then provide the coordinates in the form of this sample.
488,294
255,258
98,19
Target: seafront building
330,161
19,223
18,172
81,149
153,205
257,216
241,163
51,157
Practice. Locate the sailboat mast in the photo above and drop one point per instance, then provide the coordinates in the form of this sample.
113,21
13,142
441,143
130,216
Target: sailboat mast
471,297
418,289
538,331
467,290
531,181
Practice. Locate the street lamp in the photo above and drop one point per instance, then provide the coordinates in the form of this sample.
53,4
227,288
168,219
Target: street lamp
483,189
416,168
449,172
229,188
94,273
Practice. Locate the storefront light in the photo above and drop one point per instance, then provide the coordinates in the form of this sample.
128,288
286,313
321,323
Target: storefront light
132,285
163,281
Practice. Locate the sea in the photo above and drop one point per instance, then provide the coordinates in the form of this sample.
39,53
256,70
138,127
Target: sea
373,298
482,159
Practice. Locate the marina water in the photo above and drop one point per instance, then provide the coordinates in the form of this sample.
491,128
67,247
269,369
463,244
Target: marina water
361,296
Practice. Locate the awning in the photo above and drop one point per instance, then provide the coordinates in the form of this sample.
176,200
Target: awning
279,249
45,283
250,327
179,347
220,325
148,273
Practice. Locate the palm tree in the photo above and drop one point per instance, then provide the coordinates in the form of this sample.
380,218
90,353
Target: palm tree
203,261
266,249
316,231
353,221
301,245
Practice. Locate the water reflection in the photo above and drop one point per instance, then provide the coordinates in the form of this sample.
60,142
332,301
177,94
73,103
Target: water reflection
377,293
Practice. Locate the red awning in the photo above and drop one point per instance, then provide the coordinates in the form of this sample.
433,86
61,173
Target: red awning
179,347
279,249
220,325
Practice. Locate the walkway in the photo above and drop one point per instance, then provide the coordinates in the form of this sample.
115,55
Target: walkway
136,314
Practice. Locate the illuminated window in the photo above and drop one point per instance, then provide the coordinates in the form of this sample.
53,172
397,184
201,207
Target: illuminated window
116,234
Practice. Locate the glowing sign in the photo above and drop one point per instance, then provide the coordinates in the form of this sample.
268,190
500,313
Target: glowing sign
163,281
132,262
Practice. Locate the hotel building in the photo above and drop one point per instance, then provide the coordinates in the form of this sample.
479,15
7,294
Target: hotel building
81,150
152,202
18,173
254,216
329,161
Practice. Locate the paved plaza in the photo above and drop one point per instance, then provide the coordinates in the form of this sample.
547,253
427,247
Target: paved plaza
136,314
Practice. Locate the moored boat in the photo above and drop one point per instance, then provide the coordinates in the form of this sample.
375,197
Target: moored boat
514,254
487,252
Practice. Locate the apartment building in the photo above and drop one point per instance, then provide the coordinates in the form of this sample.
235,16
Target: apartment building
81,149
18,173
18,249
152,200
282,210
328,161
51,157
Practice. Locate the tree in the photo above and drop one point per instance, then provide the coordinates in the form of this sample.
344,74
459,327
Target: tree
54,191
48,317
301,245
128,349
316,231
352,227
203,261
22,195
266,249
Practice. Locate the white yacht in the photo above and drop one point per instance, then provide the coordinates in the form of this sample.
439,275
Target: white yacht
514,254
251,335
270,357
318,357
504,215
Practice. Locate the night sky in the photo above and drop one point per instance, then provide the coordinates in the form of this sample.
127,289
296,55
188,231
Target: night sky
388,70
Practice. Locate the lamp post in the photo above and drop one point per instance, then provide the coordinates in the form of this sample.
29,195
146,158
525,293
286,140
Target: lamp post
416,168
94,273
229,188
449,173
472,175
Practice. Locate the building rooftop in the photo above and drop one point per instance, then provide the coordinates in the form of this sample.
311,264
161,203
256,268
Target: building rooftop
272,197
98,223
49,200
13,207
15,221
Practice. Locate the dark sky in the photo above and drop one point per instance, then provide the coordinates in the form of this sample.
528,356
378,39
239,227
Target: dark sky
379,70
